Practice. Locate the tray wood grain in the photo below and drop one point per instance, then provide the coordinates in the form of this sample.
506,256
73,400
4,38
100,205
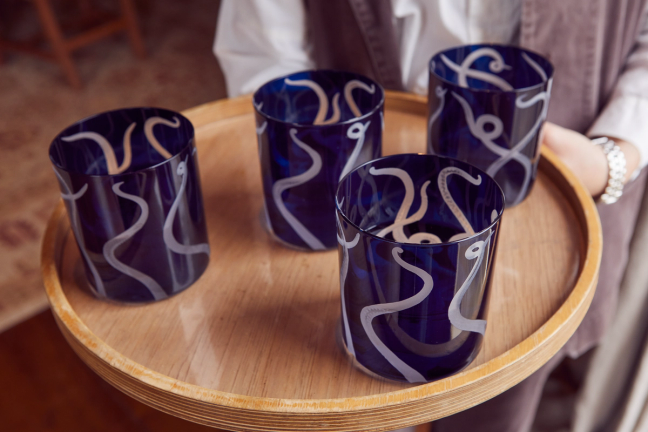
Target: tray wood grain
251,346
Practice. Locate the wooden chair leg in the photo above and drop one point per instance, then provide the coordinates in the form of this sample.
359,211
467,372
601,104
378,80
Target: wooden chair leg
134,35
55,36
2,54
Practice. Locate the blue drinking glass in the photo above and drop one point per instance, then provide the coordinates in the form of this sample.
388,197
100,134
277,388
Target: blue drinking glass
313,128
130,182
417,238
486,106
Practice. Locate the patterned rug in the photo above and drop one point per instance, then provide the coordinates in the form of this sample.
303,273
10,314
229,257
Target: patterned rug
36,103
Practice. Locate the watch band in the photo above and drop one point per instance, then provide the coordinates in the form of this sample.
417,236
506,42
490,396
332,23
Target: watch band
617,169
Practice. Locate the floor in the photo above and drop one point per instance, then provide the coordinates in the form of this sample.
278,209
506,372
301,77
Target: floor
36,103
52,390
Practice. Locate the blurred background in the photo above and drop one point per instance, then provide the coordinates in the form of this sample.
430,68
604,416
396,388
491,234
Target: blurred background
51,389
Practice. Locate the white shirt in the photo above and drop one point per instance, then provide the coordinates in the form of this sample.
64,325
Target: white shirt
448,23
259,40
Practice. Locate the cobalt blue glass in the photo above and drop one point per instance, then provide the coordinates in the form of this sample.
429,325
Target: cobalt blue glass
313,127
486,106
130,182
417,237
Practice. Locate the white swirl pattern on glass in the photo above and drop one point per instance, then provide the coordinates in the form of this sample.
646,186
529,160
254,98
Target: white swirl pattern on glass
475,251
290,182
78,233
259,131
320,117
348,96
440,94
109,153
401,219
150,136
464,71
344,269
167,231
442,180
368,313
356,132
111,245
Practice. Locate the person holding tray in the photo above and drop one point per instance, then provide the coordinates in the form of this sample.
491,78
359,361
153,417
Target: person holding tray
600,96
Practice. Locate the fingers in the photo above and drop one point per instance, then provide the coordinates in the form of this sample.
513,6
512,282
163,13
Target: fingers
586,160
547,135
562,140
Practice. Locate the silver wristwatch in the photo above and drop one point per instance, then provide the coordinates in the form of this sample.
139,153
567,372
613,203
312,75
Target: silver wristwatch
617,169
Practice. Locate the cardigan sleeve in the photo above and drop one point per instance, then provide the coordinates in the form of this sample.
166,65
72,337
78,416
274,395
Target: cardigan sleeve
626,114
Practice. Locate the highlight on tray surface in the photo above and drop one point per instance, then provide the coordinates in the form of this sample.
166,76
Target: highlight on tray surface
313,127
417,235
130,182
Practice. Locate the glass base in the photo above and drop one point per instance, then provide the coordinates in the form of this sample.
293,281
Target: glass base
82,281
339,339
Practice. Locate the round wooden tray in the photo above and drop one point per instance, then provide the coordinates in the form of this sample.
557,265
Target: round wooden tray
252,345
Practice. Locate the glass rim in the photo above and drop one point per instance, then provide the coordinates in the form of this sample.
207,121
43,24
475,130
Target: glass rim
425,245
190,142
514,91
370,113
